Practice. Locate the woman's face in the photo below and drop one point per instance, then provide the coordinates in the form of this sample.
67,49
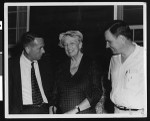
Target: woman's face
72,46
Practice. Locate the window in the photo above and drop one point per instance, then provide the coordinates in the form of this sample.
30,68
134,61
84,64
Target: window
137,34
17,23
133,15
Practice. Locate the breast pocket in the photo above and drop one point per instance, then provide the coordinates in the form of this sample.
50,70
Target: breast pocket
132,79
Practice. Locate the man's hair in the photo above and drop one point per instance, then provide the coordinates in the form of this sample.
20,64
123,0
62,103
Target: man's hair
28,37
119,27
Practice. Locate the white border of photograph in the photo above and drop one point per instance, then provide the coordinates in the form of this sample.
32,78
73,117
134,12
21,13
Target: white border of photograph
115,4
1,79
0,25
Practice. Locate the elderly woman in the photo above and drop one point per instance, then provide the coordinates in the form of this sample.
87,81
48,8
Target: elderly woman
78,81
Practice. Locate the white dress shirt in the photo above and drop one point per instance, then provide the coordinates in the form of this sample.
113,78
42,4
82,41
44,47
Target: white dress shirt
128,81
25,65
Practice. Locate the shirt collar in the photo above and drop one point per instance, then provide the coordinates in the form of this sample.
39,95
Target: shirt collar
136,48
26,59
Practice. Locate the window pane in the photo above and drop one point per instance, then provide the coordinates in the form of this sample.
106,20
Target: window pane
140,43
22,8
132,34
12,8
12,36
12,20
133,15
138,34
21,32
22,19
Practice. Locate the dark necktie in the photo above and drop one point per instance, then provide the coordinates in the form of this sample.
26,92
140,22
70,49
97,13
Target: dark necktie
36,94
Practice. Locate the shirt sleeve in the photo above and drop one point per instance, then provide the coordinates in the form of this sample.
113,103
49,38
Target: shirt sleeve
109,71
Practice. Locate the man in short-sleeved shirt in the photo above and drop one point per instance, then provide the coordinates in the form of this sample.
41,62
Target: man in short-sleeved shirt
126,70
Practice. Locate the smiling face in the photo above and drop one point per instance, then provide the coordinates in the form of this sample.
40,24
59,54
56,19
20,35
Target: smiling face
114,43
72,46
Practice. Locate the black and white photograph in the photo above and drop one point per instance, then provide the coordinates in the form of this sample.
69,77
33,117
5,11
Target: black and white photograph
75,60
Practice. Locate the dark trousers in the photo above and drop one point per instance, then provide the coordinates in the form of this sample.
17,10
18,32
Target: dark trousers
31,109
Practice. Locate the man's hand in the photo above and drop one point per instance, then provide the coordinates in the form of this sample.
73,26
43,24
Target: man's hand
52,110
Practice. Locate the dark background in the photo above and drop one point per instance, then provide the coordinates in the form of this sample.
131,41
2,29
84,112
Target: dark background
50,21
91,21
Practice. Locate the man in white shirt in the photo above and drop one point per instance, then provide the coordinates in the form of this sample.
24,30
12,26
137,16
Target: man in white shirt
21,87
126,70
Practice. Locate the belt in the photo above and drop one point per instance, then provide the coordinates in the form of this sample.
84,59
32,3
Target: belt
36,105
125,108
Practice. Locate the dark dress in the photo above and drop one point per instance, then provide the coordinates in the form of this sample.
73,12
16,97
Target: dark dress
72,90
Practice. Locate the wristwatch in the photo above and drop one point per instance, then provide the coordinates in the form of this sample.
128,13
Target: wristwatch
77,107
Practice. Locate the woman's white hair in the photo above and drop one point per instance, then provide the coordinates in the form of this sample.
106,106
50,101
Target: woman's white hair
70,33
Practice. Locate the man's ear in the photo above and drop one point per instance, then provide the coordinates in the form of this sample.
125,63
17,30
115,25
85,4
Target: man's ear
80,45
123,38
27,49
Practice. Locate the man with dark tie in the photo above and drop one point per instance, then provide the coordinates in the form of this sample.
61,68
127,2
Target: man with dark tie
30,78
